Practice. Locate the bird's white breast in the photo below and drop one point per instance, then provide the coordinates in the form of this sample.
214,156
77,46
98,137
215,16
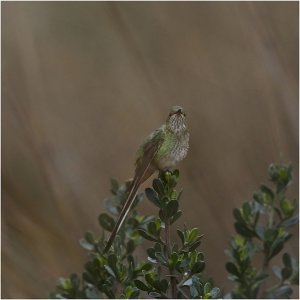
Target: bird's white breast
178,152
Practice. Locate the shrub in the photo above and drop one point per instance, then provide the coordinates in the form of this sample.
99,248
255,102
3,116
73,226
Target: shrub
176,270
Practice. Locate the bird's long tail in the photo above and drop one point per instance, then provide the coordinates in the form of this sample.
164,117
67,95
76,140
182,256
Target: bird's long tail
141,174
126,208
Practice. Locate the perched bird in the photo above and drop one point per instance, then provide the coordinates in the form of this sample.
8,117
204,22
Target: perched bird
161,150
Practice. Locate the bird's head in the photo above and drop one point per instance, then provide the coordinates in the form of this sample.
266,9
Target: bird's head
176,120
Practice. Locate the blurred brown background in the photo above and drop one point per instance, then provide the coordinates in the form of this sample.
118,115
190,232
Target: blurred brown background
84,83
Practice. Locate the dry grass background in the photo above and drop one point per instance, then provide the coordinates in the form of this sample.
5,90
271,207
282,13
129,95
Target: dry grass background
84,83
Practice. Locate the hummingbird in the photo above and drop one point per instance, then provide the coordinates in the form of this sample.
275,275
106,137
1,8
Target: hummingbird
160,151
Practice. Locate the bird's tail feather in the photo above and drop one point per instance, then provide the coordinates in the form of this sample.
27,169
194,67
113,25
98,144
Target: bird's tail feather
138,179
131,195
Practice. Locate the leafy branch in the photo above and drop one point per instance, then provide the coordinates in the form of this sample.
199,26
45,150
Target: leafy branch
175,270
263,227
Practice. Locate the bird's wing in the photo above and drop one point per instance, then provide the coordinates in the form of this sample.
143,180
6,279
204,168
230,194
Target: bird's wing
146,154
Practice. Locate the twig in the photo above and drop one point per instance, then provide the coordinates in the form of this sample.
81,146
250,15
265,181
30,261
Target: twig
168,247
265,267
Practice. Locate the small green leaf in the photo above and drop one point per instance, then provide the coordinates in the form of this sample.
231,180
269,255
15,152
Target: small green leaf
89,237
171,209
176,216
207,287
260,231
106,222
287,207
158,247
268,191
145,267
237,215
256,218
243,230
271,234
275,249
173,195
152,196
277,271
111,206
215,293
193,234
231,268
181,235
131,292
264,196
152,228
194,245
161,215
280,174
194,292
151,252
164,285
65,283
149,278
141,285
247,211
291,221
258,198
173,260
287,260
114,186
154,295
158,186
198,267
277,210
110,271
86,245
161,258
112,262
91,292
146,236
152,260
188,282
167,176
261,277
282,292
176,173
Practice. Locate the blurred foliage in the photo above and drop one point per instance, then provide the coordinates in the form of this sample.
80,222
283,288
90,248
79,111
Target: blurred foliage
176,270
262,227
